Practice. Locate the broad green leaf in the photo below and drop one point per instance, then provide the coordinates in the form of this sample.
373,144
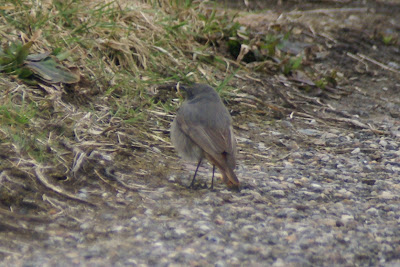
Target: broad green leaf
52,72
38,57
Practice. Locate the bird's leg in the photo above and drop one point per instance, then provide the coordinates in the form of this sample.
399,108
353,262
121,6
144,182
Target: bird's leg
212,179
194,176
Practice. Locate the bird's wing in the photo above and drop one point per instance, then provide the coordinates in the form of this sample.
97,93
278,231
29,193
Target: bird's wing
212,138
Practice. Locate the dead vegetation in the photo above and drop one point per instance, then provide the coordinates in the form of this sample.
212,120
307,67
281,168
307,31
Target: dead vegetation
67,144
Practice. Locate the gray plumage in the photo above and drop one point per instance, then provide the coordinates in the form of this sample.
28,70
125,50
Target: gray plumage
202,128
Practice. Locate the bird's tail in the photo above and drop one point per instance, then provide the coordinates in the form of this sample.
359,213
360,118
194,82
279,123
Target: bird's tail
228,175
230,178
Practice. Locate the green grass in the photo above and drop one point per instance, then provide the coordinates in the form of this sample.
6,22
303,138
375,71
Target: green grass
292,64
17,116
16,122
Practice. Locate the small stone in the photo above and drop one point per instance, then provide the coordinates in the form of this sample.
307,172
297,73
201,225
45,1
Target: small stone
244,140
304,180
279,263
287,124
383,143
347,218
345,193
329,135
316,187
296,155
261,146
386,195
172,178
373,145
288,165
155,149
278,193
329,222
356,151
117,228
320,142
393,144
310,132
325,158
180,231
202,227
251,228
394,65
274,133
335,131
298,182
372,211
85,225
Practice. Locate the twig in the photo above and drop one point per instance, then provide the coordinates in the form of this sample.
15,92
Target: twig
43,179
5,251
329,10
353,122
260,156
281,95
135,187
360,58
25,217
107,182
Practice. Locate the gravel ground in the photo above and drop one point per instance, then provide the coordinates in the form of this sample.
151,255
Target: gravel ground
332,202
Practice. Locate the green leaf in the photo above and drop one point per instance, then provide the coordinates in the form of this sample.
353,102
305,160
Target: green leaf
37,57
52,72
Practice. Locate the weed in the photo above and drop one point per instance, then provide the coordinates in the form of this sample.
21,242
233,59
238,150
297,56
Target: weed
12,59
321,83
272,42
388,39
224,83
291,64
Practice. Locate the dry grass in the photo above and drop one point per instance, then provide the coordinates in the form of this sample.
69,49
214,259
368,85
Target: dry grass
58,138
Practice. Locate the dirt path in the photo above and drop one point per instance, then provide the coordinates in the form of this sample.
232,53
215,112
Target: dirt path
320,169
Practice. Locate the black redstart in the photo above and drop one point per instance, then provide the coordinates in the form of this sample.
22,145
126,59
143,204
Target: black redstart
202,129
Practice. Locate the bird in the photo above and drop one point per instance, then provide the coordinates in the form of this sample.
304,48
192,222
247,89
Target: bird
202,129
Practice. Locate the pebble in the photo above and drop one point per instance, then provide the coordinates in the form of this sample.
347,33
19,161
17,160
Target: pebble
347,218
316,187
387,195
261,147
310,132
329,135
383,143
372,211
278,193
